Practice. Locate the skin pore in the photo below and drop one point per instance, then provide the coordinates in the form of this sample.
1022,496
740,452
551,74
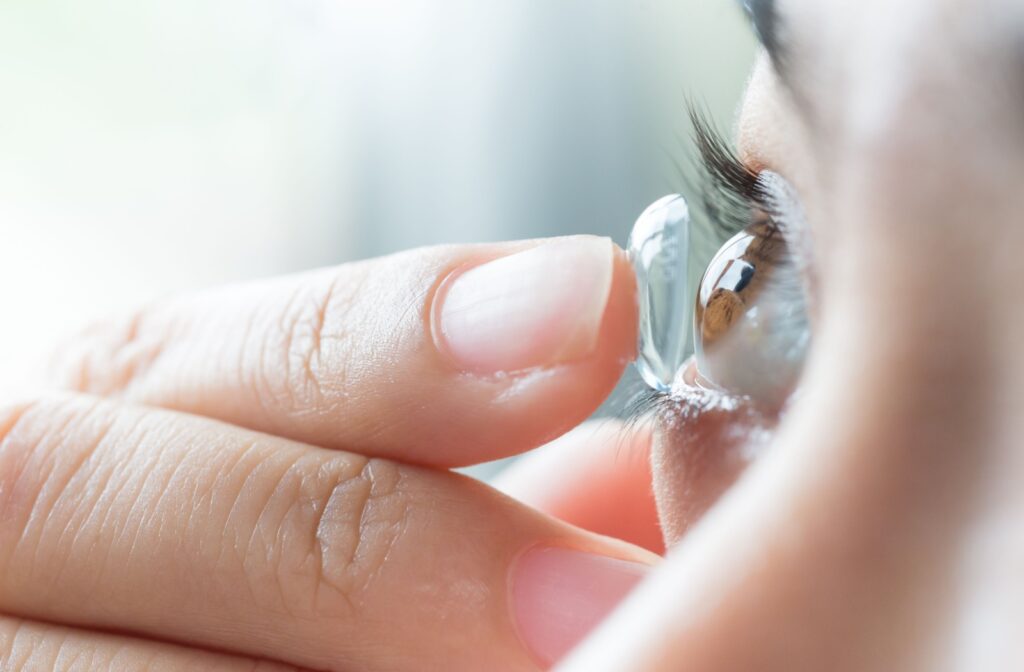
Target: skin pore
883,528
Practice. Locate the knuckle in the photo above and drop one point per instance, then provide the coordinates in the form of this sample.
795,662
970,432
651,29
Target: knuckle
361,523
106,358
292,366
339,520
314,337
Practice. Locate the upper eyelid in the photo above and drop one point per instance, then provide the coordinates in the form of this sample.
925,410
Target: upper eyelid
723,165
793,226
764,191
728,189
746,190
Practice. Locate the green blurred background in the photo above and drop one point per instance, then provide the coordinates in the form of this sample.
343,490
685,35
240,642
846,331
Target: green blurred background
148,147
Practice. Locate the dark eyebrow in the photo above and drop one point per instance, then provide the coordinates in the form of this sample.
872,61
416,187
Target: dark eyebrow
770,29
765,20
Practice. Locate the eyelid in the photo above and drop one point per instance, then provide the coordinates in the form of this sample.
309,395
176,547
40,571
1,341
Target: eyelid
784,207
793,225
732,190
736,195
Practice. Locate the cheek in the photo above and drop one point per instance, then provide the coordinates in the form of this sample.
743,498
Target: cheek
705,440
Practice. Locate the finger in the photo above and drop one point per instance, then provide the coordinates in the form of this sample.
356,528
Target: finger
597,477
168,525
428,356
27,646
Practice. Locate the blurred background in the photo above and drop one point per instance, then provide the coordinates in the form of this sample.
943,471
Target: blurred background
149,147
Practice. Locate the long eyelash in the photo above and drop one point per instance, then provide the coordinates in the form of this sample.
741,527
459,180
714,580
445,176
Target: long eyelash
730,191
638,409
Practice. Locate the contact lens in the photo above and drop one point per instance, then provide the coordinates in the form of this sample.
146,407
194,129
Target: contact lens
659,249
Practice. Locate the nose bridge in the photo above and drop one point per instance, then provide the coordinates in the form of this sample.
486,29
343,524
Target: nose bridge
936,87
927,160
930,81
924,211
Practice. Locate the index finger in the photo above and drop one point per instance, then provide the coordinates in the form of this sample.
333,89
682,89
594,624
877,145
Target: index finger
443,356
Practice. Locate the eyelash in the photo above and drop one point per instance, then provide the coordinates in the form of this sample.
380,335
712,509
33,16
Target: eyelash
731,194
733,197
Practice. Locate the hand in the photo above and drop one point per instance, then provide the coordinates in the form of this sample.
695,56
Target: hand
271,509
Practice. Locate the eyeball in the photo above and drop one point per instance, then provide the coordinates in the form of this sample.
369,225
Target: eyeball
747,329
751,332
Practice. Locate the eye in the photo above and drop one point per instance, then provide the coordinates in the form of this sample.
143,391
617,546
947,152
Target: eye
751,331
748,328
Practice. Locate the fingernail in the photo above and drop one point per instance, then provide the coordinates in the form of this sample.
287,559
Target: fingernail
539,307
559,595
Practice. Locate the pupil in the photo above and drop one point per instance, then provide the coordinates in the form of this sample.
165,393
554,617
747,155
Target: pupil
746,275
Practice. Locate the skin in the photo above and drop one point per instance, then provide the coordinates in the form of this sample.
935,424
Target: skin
883,528
309,543
880,527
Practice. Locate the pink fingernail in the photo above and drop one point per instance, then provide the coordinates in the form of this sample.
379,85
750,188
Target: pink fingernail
539,307
559,595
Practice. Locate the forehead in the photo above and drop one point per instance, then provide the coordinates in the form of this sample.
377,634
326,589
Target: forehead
856,66
936,29
893,83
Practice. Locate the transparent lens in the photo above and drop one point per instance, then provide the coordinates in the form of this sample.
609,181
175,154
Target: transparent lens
659,248
748,326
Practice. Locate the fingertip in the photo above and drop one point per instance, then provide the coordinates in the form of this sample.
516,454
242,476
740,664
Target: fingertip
539,307
533,405
538,405
621,319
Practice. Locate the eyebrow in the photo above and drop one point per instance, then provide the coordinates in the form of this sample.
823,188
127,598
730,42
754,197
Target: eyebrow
765,20
770,29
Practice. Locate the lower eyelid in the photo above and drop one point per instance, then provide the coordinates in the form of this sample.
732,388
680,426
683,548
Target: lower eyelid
706,439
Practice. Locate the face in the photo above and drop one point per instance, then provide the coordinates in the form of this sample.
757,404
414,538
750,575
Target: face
869,515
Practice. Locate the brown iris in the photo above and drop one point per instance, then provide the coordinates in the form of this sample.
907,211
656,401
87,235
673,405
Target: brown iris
745,336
